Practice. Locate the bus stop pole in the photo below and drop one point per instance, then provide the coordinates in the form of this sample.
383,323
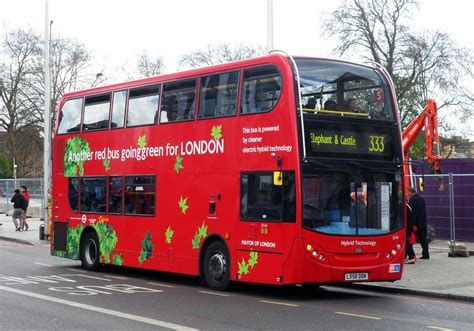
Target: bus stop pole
452,216
47,121
269,25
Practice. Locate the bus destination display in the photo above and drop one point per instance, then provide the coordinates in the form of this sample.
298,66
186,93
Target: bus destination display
349,142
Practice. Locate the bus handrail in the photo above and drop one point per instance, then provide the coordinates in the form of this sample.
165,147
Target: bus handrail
299,98
335,112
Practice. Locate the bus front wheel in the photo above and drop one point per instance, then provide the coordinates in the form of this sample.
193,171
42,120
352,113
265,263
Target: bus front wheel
90,253
216,267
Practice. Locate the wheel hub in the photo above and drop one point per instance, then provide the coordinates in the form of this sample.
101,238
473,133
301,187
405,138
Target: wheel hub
217,266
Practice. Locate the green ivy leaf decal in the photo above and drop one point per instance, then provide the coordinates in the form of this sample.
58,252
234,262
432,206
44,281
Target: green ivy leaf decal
73,162
107,165
141,141
147,248
216,132
73,241
253,259
118,259
178,165
202,231
196,241
107,240
243,267
183,204
169,235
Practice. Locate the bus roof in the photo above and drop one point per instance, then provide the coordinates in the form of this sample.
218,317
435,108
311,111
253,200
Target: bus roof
270,58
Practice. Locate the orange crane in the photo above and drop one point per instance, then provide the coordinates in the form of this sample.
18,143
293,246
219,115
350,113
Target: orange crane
428,119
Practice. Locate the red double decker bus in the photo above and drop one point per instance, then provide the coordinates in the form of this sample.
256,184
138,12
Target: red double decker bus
274,170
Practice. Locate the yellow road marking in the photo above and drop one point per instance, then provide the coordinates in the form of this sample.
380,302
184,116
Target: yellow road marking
279,303
117,277
358,315
77,270
162,285
215,293
439,328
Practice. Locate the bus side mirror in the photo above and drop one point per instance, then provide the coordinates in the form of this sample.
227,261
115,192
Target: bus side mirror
277,178
421,185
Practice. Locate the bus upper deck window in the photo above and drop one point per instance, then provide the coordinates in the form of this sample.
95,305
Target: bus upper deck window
178,102
218,97
96,113
143,105
118,109
70,116
261,89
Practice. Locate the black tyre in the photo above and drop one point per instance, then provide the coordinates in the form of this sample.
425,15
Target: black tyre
216,266
90,252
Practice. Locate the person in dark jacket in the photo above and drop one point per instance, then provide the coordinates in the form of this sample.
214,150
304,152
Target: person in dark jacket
19,204
410,253
418,206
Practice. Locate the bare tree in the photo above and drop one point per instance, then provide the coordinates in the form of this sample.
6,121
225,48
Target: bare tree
422,65
215,54
145,66
16,113
148,66
71,69
22,89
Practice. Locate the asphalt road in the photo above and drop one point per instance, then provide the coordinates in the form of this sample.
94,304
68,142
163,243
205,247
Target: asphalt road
38,291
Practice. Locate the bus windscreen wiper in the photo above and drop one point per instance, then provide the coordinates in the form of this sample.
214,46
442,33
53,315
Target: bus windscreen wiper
373,169
327,167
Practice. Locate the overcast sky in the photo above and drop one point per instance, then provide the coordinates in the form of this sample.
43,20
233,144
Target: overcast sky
115,31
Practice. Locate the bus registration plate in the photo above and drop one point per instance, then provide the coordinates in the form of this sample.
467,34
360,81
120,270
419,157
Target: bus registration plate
357,276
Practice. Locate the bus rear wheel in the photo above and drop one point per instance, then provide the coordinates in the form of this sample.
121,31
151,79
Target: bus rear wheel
216,266
90,252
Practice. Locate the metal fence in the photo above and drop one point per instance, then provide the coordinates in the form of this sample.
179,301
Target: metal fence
450,205
35,189
449,202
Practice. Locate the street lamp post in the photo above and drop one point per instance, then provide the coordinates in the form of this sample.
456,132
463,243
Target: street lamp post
97,76
47,121
269,25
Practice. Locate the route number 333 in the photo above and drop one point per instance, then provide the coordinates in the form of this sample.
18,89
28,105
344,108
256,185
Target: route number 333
376,144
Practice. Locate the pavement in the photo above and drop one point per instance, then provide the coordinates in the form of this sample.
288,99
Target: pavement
441,276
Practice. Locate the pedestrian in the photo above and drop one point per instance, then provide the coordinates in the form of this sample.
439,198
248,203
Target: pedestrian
26,195
18,205
409,252
418,206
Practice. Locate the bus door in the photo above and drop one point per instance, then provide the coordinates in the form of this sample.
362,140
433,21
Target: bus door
267,211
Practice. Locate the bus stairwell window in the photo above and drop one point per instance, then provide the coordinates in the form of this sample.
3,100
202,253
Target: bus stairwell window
261,89
218,95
